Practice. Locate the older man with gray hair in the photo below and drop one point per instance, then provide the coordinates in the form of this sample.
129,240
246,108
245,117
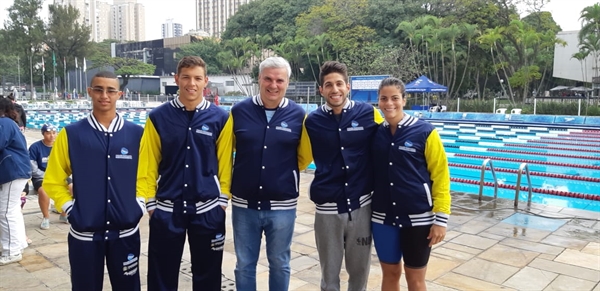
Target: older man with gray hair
272,147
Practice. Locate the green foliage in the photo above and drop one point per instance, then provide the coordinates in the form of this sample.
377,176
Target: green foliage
125,67
207,49
65,37
24,31
377,60
266,17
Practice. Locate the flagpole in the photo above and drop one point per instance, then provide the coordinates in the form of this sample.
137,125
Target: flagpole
86,80
65,79
54,74
76,83
44,76
81,80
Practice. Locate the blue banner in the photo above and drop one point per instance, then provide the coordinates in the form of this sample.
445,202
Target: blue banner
364,88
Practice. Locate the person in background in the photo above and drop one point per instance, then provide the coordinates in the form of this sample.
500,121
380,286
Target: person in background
340,134
185,172
411,200
272,146
39,152
101,153
22,116
15,171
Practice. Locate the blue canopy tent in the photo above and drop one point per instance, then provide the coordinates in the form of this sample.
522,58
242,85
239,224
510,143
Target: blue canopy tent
424,85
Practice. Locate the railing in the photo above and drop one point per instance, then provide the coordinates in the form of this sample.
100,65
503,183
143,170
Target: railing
522,167
482,179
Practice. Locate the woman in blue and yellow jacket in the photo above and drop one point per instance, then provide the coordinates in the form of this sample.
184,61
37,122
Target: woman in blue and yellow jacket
411,198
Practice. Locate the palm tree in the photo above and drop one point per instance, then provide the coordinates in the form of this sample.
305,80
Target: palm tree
581,56
490,39
590,21
469,32
409,30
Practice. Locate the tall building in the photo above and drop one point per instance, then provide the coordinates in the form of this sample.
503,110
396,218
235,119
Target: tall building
127,21
102,21
171,29
212,15
86,12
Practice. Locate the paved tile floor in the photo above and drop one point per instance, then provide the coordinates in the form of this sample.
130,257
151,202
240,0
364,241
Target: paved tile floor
489,246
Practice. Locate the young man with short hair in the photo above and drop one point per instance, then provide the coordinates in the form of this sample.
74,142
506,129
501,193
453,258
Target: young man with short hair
184,172
101,152
39,152
340,134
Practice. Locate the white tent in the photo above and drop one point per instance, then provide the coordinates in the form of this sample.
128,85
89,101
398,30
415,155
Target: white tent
559,88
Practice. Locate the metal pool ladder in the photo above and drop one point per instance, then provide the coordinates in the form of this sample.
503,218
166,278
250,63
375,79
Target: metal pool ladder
482,179
522,167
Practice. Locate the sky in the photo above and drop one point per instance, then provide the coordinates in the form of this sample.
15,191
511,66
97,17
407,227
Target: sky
565,12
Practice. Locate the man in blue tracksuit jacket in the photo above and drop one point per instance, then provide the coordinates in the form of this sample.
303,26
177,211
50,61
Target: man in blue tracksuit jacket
101,152
187,147
271,148
340,134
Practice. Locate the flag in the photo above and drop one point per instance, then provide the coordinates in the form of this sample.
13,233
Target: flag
84,66
76,63
64,63
53,59
43,65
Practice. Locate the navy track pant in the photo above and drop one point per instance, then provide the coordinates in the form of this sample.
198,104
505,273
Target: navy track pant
122,261
206,238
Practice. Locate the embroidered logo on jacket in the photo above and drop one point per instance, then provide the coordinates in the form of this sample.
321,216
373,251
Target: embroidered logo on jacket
205,130
284,127
130,267
124,155
407,147
354,126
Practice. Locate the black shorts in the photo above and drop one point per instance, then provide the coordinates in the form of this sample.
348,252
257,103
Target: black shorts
392,243
37,183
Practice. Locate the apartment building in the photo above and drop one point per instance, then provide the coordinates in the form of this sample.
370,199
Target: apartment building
171,29
212,15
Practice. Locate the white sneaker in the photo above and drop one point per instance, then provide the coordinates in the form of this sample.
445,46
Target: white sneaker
45,223
5,260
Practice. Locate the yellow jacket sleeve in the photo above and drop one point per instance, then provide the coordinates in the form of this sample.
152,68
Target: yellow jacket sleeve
304,149
225,156
437,165
377,116
57,172
150,157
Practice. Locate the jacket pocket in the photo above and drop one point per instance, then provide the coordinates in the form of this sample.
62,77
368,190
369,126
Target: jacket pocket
428,193
295,180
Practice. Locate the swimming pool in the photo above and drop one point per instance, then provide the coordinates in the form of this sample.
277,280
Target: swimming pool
564,161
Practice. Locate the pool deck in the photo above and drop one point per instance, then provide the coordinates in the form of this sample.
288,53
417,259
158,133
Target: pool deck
488,246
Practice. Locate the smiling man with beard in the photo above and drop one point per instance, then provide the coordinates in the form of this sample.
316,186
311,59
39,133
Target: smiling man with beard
340,134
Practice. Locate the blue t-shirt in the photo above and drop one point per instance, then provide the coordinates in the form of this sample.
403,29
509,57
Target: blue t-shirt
39,152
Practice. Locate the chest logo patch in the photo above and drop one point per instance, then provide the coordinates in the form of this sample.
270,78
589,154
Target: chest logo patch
354,126
407,147
124,154
205,130
284,127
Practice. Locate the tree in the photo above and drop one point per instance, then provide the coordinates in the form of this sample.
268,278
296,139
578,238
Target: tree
378,60
207,49
590,17
24,30
266,17
65,37
125,67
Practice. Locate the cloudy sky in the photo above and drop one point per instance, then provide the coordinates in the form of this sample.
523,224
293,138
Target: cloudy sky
565,13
